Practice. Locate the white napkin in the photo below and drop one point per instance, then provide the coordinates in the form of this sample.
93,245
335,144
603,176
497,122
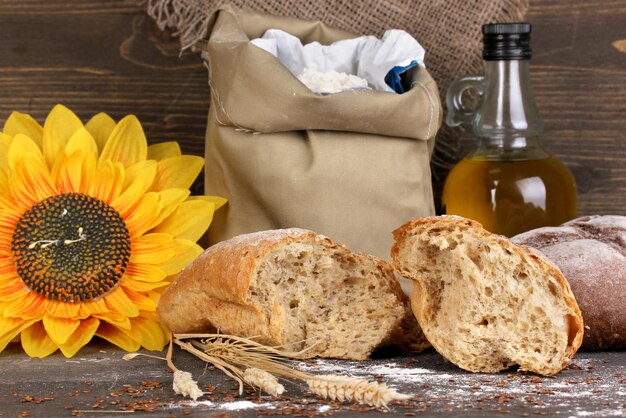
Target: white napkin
367,56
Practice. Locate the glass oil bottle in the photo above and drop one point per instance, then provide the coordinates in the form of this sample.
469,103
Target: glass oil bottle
508,182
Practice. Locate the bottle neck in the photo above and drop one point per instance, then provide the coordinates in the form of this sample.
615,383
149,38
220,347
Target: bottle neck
508,116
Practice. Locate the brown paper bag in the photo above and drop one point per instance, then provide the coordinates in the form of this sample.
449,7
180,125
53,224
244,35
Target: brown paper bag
353,165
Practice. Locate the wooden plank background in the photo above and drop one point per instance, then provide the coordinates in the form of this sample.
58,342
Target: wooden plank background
109,56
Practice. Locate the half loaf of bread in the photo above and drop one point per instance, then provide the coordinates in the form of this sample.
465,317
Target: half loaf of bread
484,303
296,289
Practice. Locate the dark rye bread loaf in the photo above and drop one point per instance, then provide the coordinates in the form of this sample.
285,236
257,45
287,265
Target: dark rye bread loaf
591,253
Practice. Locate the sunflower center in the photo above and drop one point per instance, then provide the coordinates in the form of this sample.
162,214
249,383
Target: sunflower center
71,247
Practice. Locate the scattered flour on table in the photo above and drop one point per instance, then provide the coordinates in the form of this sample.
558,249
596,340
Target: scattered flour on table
572,390
240,405
588,389
603,413
191,404
323,408
389,371
229,406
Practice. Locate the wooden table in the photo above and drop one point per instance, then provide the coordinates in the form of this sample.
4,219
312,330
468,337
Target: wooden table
98,382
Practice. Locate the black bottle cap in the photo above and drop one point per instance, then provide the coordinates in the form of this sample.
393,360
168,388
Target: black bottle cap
506,41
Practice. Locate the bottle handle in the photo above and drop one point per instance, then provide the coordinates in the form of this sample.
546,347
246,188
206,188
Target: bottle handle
458,113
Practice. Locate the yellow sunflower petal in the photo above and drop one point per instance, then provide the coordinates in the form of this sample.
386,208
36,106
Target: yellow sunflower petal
5,245
163,150
127,143
115,319
7,266
7,280
67,173
150,242
108,182
60,329
141,286
33,306
75,169
170,199
189,221
19,148
21,123
144,273
119,302
8,206
153,336
5,144
142,301
138,182
6,258
30,182
10,328
178,172
143,215
75,173
92,308
151,249
138,173
83,334
88,174
11,291
36,342
59,127
29,177
4,182
59,309
186,252
216,200
100,126
118,337
9,217
83,142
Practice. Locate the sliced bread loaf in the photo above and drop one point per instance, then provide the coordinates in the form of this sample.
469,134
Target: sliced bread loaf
295,289
484,303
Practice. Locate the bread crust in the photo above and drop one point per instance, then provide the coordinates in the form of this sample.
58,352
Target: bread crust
212,292
591,253
421,297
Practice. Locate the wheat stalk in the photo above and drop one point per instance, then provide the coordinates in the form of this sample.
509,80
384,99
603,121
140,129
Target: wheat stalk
248,344
246,360
261,363
228,369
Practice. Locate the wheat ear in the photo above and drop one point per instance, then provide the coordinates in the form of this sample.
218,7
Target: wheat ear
344,388
183,383
263,380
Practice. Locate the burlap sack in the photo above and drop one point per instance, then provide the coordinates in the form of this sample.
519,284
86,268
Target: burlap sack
353,165
449,30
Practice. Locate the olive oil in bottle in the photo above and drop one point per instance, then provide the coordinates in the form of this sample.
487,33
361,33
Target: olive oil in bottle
508,182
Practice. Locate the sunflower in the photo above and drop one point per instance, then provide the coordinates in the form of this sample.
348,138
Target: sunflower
94,224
